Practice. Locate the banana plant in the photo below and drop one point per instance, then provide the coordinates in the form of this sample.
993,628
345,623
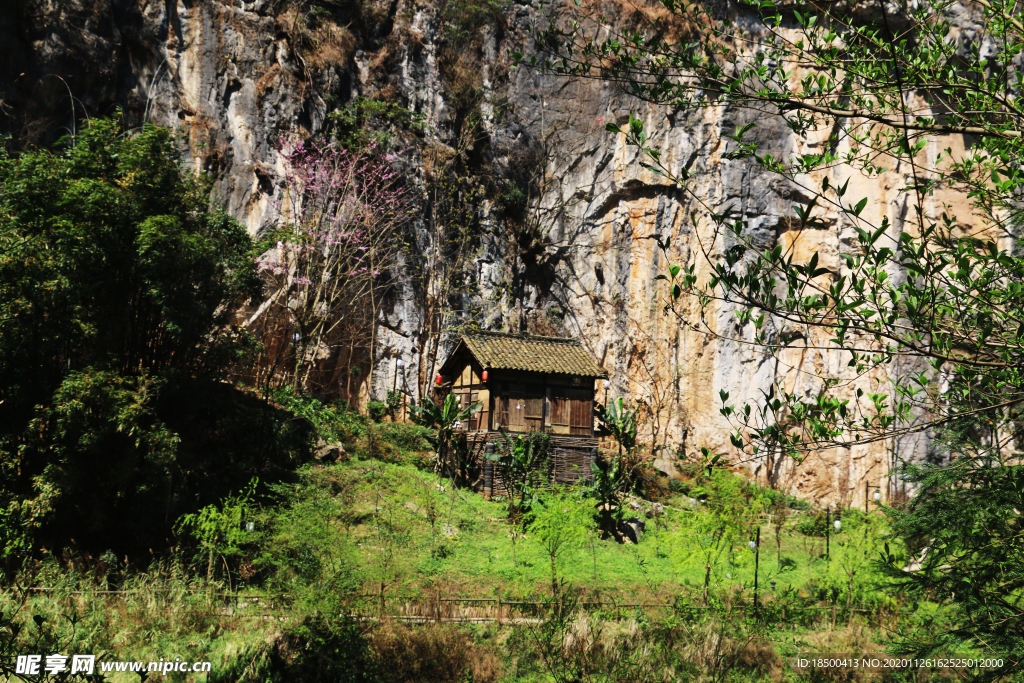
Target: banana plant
620,423
443,418
626,470
522,460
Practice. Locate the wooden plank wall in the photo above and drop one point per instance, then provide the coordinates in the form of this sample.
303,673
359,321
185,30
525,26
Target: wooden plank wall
470,387
521,406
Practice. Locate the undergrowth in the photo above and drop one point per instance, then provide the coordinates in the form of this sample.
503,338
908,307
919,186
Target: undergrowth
331,560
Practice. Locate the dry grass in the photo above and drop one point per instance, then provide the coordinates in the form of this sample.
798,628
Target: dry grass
759,655
842,641
320,45
436,652
334,46
542,323
628,649
268,80
650,17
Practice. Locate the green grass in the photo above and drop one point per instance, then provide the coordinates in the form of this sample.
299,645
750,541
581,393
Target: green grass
161,613
383,521
365,525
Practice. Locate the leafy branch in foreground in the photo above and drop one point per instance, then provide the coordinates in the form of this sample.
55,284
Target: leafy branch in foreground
925,296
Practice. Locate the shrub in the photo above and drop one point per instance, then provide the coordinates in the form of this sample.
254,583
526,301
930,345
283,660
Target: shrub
322,650
394,402
377,410
799,504
406,437
812,526
350,424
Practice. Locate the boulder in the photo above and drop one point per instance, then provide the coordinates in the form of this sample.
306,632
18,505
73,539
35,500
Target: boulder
330,452
632,529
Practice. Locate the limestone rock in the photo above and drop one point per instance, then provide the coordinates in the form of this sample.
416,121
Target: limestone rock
233,77
329,452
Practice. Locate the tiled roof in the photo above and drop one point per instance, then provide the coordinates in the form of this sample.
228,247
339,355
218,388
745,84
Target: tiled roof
555,355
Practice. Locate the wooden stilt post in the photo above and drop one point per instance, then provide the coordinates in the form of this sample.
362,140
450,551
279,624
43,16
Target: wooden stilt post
489,472
757,564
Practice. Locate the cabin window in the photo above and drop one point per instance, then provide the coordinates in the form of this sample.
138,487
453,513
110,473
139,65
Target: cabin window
469,397
533,408
516,409
501,409
560,410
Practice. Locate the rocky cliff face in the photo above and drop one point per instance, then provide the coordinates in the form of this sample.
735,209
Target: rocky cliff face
235,76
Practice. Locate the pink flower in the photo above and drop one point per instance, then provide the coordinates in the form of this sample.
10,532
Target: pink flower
280,245
599,120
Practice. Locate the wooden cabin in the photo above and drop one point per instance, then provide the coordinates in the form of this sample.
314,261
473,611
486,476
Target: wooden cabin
526,383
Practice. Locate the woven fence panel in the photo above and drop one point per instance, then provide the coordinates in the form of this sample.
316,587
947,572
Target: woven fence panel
572,465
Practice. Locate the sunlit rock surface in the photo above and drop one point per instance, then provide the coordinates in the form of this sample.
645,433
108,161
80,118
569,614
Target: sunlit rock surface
236,78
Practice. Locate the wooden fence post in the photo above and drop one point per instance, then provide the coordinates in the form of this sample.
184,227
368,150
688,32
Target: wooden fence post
488,472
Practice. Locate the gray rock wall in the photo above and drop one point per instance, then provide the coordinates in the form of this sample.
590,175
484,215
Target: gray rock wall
236,76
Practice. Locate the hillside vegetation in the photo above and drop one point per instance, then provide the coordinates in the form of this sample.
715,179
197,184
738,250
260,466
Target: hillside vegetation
376,568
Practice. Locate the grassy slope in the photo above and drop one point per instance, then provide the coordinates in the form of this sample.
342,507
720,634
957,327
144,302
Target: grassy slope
452,540
342,530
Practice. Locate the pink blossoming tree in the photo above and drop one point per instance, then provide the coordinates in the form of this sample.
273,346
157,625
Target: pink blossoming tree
337,243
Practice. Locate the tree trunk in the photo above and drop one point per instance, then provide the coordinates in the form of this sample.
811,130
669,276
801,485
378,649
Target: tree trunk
554,578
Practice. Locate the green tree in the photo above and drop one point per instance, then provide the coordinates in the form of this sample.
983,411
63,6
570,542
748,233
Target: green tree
607,488
448,254
925,94
560,522
117,286
724,523
623,425
620,423
219,528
